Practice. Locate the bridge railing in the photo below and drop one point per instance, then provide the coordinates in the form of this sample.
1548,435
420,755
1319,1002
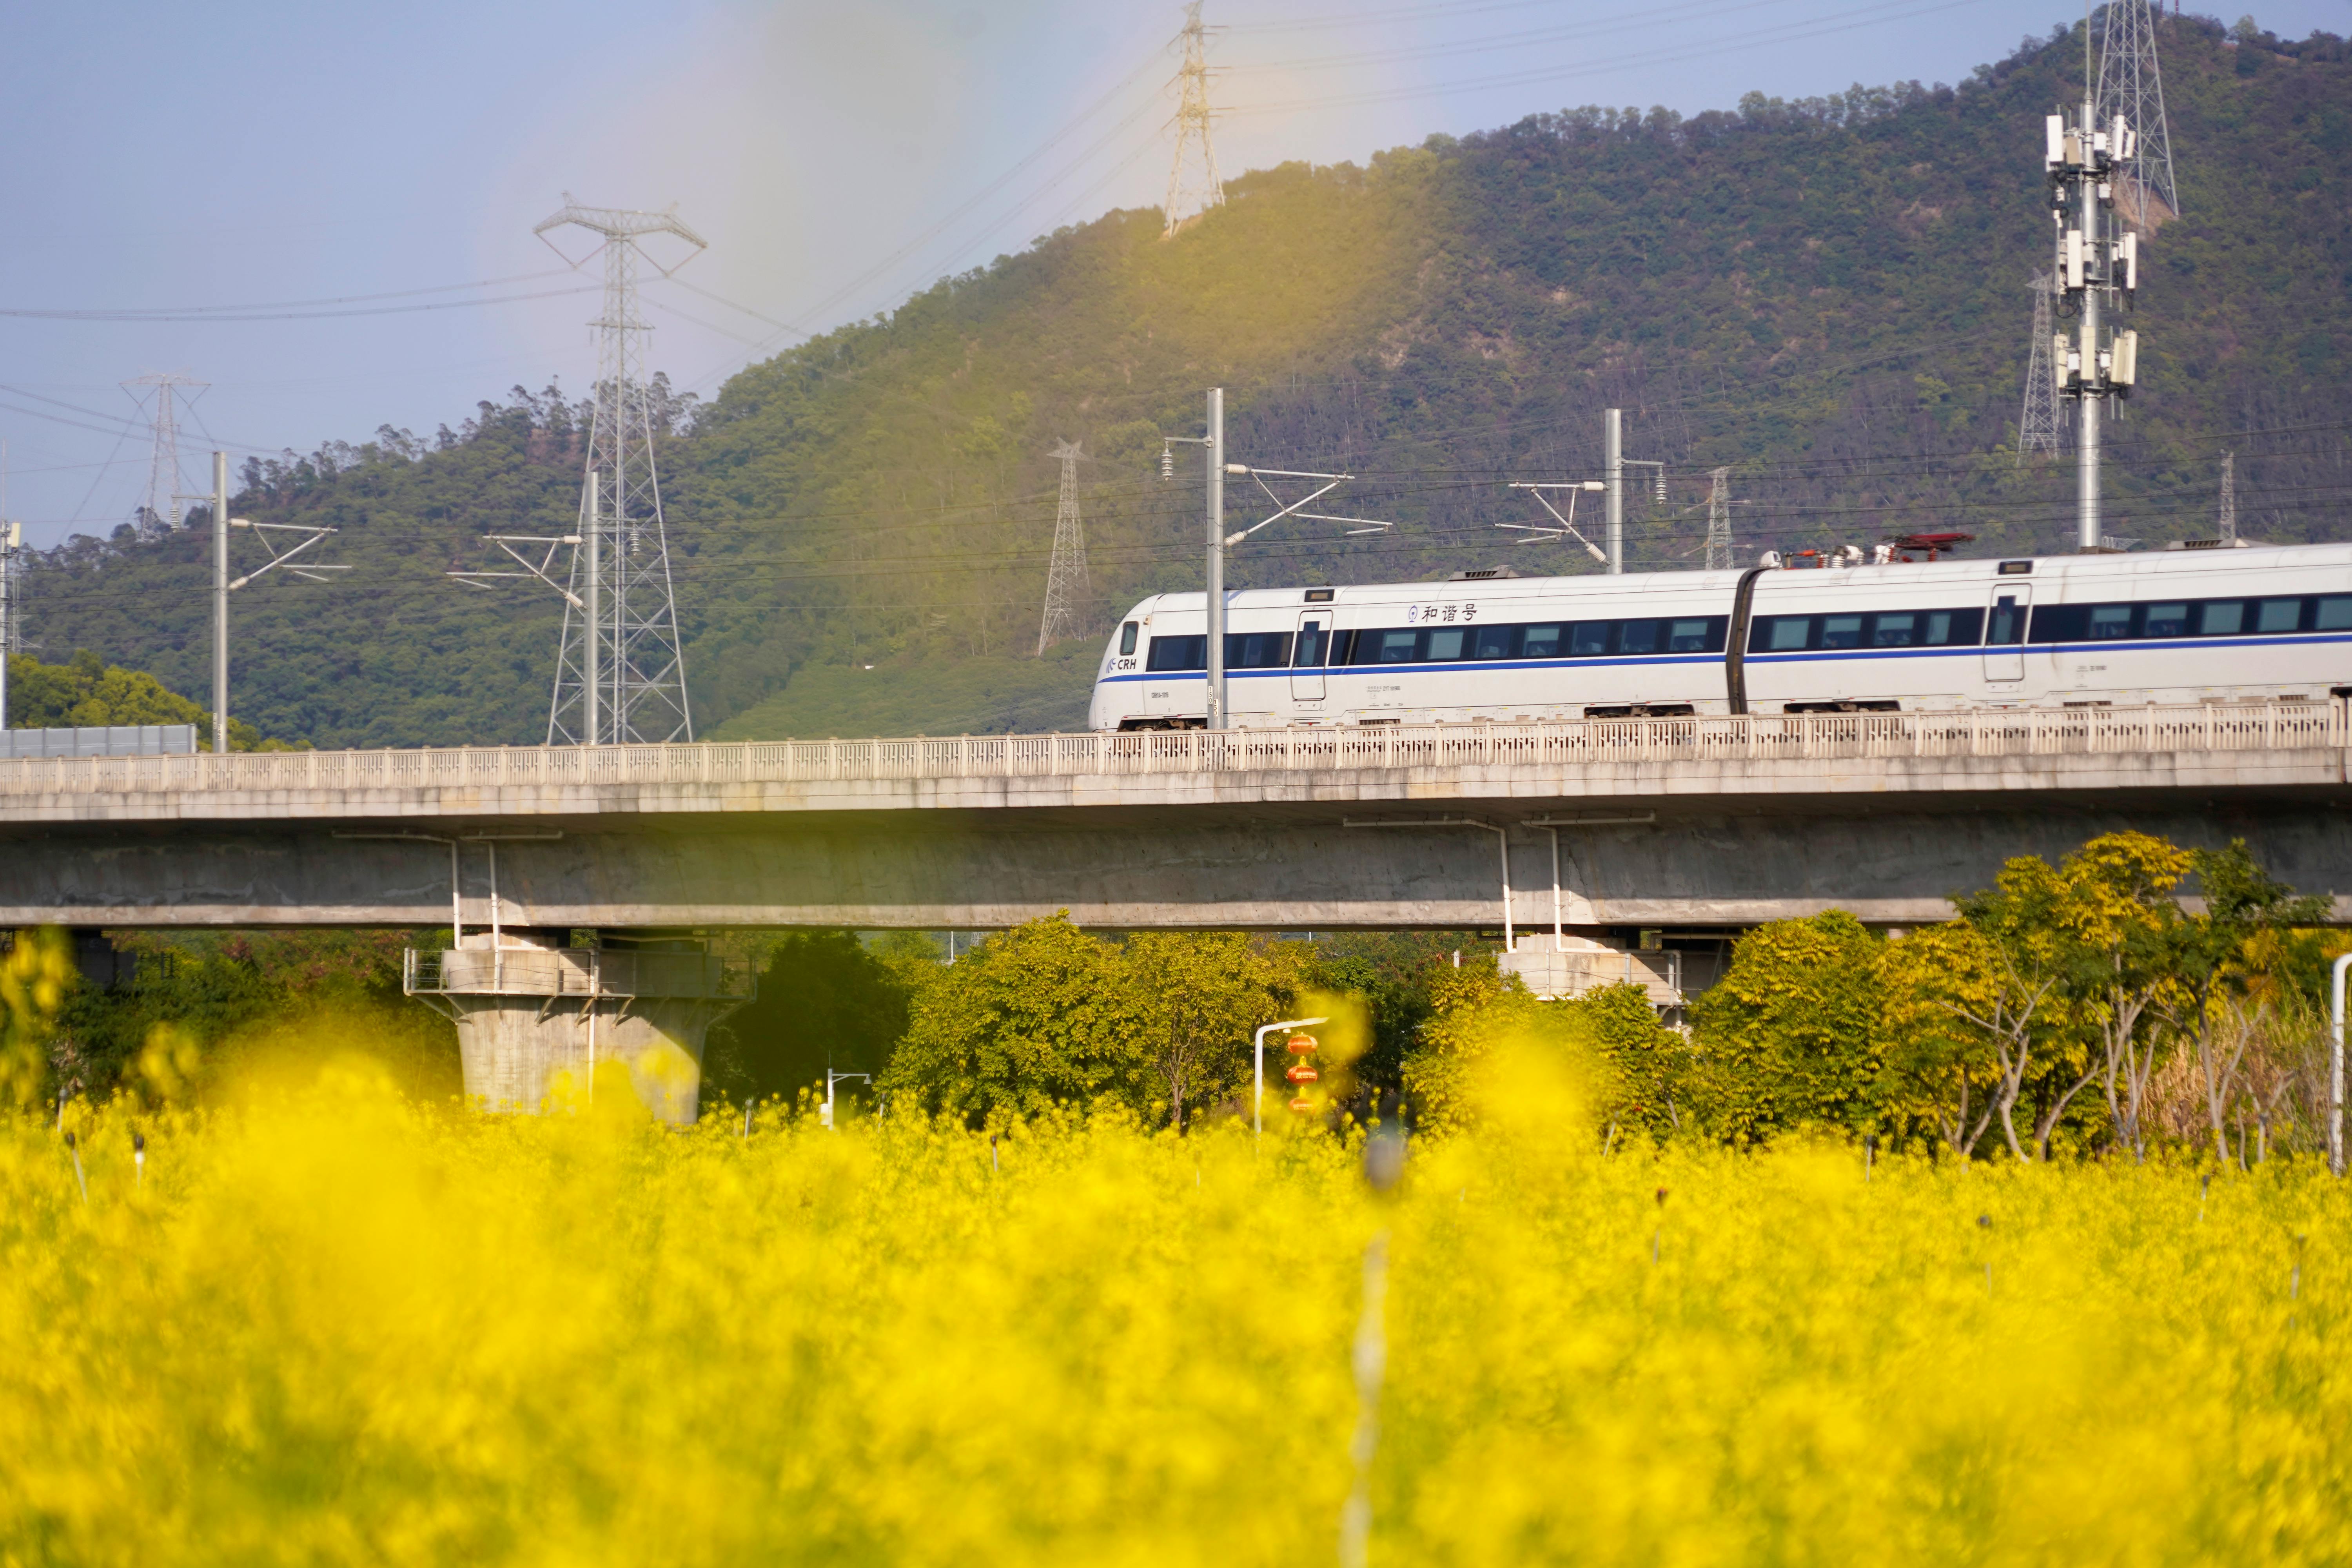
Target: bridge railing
1978,732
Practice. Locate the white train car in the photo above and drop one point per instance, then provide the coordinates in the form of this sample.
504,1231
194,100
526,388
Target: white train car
2177,626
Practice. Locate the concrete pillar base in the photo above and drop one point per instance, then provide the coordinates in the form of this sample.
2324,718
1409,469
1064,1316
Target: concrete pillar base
542,1026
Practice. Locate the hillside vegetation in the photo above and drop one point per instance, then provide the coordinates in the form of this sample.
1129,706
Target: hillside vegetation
1828,298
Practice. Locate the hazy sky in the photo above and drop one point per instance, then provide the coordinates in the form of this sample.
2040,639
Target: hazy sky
835,156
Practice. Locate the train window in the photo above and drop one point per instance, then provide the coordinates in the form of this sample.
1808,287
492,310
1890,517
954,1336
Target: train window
2109,622
1343,646
1127,638
1257,650
1688,636
2222,618
1588,638
1937,632
2166,621
1178,653
1310,645
2007,627
1543,642
1394,648
1893,630
2280,615
1840,631
1781,633
1445,643
1639,637
2334,615
1495,642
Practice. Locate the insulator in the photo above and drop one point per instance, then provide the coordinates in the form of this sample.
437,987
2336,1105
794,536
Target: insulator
1167,462
1302,1073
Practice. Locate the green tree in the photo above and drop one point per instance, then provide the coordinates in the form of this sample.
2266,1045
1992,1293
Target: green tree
1195,999
1649,1079
1789,1036
822,1000
2211,963
87,691
1034,1017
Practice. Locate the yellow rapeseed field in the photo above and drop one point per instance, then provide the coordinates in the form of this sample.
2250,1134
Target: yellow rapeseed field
331,1326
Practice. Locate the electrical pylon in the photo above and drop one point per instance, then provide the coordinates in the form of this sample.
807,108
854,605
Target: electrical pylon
1719,522
2229,530
1066,579
159,516
2131,86
2039,424
620,672
1191,196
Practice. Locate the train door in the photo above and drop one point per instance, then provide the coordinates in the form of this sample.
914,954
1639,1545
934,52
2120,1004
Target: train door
1308,651
2004,653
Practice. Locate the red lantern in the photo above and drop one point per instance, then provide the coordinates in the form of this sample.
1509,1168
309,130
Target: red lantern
1302,1104
1302,1045
1302,1073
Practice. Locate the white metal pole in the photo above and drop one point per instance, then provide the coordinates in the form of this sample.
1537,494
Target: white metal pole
220,604
596,595
1216,574
1612,457
9,533
2335,1073
2087,528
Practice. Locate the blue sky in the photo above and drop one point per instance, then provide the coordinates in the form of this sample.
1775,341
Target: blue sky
837,156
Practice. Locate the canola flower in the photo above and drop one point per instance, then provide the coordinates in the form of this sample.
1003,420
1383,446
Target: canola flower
331,1326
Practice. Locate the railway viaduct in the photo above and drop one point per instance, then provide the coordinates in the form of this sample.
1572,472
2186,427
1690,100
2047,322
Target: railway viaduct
1566,833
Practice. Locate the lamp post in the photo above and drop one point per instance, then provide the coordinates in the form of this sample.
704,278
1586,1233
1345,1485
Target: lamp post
1257,1077
824,1112
2336,1072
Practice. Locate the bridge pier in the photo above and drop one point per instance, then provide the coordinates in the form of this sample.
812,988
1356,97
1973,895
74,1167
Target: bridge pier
537,1018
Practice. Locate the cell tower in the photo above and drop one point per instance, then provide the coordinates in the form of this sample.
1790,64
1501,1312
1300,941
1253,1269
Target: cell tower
2229,529
1192,189
159,515
2040,425
1719,522
2131,88
620,673
2098,271
1066,579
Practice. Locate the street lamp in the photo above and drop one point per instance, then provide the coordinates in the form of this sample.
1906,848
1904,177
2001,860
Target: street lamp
824,1112
1257,1098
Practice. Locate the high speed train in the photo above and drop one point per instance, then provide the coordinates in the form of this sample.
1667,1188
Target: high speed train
2190,624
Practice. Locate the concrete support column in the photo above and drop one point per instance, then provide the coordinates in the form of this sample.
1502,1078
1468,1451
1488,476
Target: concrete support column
541,1026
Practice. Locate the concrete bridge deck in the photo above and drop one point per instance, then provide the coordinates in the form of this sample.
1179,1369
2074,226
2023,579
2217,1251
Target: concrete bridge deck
1740,819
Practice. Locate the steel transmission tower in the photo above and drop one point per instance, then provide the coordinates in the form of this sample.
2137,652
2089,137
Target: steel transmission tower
2040,424
620,672
1066,579
2131,87
2229,530
1194,187
1719,522
157,517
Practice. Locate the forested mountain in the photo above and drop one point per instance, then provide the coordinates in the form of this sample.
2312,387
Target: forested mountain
1828,298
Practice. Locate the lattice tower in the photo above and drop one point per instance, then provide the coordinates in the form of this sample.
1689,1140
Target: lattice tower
1719,522
160,514
2229,530
1194,185
622,633
2040,425
1066,579
2131,84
